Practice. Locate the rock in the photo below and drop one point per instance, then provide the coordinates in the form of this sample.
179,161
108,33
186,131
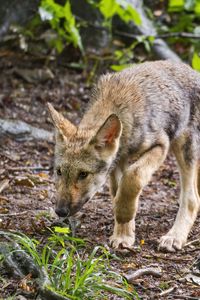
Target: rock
24,131
34,75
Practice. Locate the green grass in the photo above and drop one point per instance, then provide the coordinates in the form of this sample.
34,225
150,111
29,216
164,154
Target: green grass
69,270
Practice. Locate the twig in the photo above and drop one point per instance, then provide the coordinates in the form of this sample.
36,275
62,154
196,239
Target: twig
3,185
185,297
13,214
128,248
131,35
141,272
159,36
192,242
179,34
16,169
168,291
177,259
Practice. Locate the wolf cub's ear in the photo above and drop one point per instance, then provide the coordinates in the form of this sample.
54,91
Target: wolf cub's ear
63,127
108,133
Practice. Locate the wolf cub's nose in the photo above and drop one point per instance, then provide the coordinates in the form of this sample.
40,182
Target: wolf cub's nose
62,212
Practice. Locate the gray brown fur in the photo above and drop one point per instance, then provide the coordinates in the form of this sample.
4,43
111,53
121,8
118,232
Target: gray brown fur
135,114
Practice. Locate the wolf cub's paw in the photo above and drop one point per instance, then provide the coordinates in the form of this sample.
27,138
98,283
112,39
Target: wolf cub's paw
122,241
171,242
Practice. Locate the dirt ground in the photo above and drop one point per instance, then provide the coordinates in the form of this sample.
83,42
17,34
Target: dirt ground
27,202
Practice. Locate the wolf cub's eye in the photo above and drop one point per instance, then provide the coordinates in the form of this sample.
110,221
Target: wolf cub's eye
58,172
82,175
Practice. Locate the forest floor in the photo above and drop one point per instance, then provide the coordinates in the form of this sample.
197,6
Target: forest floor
27,203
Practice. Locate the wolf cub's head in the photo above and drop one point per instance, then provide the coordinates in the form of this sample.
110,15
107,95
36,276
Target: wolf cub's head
83,157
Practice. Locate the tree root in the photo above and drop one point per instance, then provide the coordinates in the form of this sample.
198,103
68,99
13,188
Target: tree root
20,264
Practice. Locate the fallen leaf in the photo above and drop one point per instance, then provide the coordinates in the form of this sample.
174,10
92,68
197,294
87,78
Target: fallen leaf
3,200
24,181
3,210
43,175
37,179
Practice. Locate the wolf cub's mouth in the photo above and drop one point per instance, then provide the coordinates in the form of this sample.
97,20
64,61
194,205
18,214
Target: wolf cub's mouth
77,207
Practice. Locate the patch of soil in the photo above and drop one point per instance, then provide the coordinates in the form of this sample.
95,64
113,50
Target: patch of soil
27,203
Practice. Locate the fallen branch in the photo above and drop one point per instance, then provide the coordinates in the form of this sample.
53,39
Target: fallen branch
141,272
158,36
18,262
23,131
10,264
21,264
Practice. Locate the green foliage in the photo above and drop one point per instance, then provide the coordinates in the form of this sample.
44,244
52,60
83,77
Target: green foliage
176,5
124,56
184,16
71,271
120,8
196,61
62,21
110,8
188,5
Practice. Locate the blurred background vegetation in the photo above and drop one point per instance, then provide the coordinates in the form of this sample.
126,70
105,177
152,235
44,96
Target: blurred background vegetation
94,35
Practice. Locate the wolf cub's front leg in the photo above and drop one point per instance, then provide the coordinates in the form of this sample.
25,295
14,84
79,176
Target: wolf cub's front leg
123,233
130,185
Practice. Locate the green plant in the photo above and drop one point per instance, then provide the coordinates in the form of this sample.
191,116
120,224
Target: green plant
69,270
184,17
62,21
123,57
196,61
121,8
188,5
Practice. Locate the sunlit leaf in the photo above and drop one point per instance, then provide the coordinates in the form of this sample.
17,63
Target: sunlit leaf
63,22
196,62
176,5
128,14
108,8
64,230
118,68
197,7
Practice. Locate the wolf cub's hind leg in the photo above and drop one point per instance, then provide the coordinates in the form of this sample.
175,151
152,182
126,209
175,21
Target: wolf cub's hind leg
130,185
189,202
